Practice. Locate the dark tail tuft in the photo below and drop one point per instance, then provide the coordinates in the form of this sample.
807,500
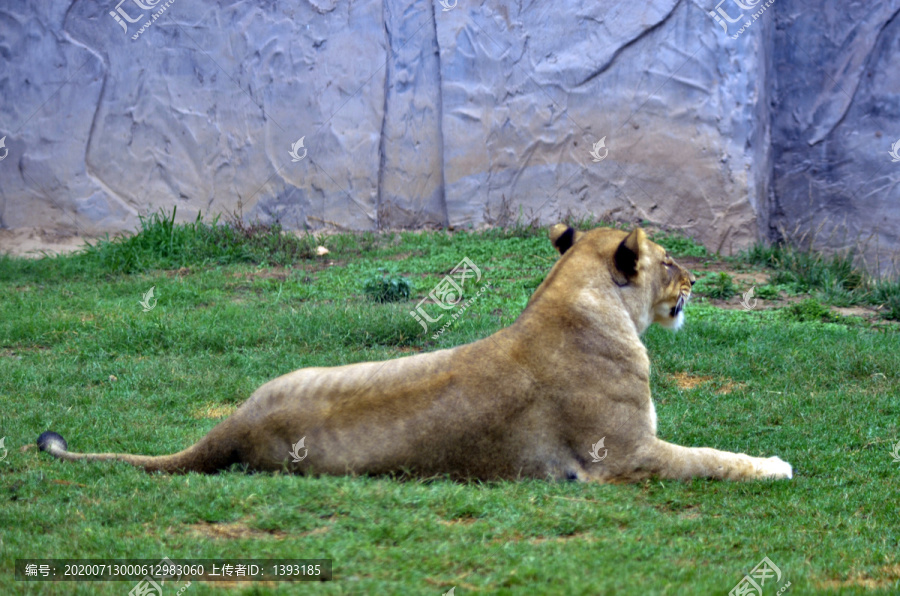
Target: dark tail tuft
52,442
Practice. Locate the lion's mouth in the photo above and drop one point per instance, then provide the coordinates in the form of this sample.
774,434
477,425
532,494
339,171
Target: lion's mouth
679,306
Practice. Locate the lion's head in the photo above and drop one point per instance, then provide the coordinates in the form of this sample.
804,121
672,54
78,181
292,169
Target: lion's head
650,284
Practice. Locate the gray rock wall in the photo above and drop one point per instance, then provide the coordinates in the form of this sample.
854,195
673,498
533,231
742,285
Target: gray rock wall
418,114
836,114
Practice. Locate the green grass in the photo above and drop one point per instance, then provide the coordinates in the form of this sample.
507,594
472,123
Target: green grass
163,244
78,355
387,286
715,285
679,245
832,278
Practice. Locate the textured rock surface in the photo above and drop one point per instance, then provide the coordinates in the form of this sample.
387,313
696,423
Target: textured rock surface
836,114
658,84
415,114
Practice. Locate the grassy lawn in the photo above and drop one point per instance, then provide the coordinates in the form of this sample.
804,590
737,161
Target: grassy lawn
79,355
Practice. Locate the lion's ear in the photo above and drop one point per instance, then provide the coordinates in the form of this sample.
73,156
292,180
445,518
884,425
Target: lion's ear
563,237
627,255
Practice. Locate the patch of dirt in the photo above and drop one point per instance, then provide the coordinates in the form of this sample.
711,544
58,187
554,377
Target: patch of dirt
578,500
684,510
563,539
734,303
236,531
183,271
67,483
689,515
701,264
461,521
279,273
758,304
445,584
517,537
686,381
729,386
405,255
282,273
17,353
855,311
749,278
221,584
214,411
34,242
409,349
240,530
892,573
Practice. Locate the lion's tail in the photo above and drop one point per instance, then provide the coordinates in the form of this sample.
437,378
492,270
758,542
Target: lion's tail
201,457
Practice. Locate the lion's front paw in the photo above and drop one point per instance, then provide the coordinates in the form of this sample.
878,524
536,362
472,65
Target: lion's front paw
775,467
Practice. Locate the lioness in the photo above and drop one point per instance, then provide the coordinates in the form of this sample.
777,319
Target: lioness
562,393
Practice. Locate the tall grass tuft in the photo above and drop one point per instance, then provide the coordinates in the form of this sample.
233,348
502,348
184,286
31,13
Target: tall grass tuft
163,244
834,277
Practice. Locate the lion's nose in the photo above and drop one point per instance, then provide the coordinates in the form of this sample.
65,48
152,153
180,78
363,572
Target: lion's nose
693,281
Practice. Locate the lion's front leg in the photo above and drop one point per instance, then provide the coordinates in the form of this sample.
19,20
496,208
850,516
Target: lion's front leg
665,460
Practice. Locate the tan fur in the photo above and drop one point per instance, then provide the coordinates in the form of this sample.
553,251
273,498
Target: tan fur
529,401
